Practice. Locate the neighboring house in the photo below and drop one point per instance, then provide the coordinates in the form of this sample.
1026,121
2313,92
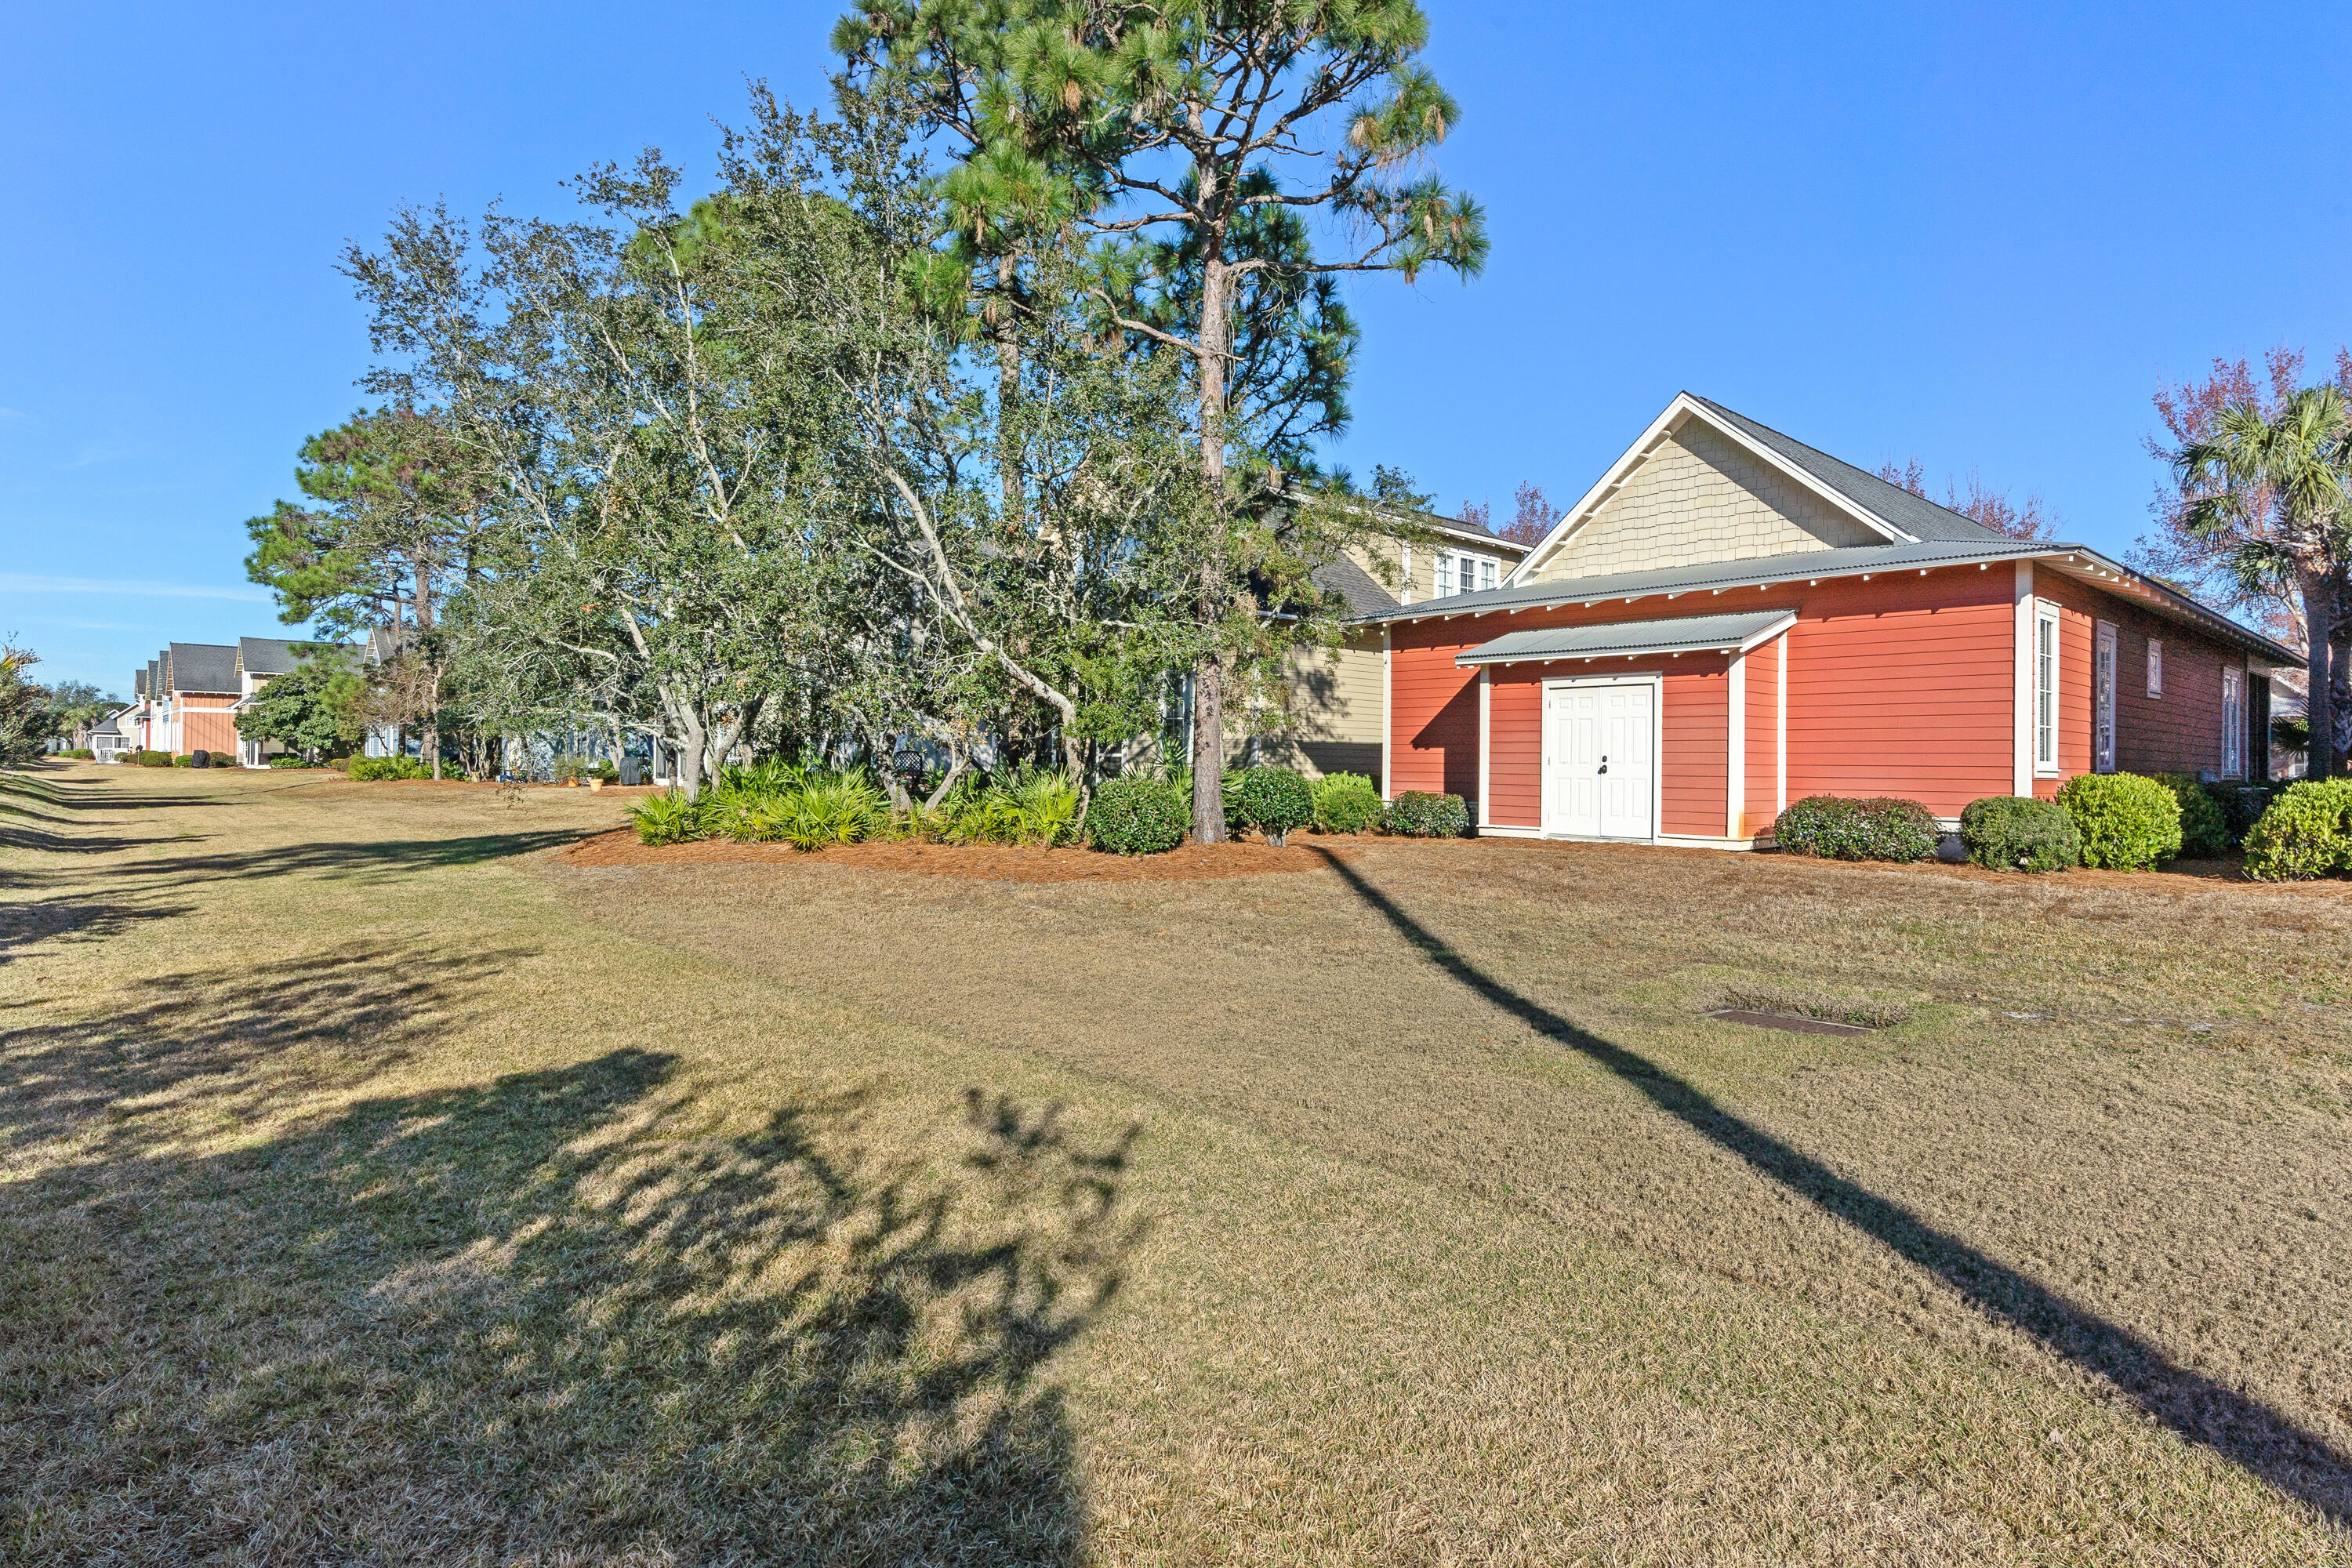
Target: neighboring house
201,688
1335,696
1731,620
106,739
258,659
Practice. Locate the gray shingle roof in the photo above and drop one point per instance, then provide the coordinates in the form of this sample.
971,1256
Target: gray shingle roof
1914,515
1363,592
203,667
267,656
1682,634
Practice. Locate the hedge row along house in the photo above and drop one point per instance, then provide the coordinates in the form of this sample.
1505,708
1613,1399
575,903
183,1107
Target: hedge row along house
1730,620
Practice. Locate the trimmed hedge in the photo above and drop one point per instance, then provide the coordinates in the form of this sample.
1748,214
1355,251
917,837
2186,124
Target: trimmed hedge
2204,826
185,760
2307,833
1136,816
81,754
368,769
2127,822
1275,801
151,759
2010,832
287,760
1416,814
1833,827
1346,803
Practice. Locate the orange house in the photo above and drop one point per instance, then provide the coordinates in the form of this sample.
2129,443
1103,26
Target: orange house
1731,620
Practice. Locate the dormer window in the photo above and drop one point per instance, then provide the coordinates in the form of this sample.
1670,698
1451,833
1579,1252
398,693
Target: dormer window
1460,571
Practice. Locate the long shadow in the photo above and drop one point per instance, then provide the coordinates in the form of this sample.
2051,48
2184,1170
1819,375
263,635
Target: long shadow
94,795
46,842
362,858
553,1317
78,918
2238,1428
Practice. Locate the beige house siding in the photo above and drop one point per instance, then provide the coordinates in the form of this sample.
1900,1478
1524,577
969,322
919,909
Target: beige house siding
1698,499
1336,719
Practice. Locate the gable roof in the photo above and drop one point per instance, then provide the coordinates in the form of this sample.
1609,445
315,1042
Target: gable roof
1914,515
1889,510
202,666
267,656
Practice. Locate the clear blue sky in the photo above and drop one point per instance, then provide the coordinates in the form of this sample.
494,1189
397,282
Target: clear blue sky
1975,235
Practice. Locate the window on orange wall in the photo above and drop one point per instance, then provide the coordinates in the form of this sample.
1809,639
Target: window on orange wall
2154,668
2045,688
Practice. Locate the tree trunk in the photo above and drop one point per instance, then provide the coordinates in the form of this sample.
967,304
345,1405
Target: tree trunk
2319,617
1208,750
1209,674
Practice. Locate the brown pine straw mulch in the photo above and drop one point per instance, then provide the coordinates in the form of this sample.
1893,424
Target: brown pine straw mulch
989,862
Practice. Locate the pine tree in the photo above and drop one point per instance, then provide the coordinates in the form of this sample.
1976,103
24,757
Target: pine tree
1198,139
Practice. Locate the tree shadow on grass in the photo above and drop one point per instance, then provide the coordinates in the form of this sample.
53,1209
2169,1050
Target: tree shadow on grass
564,1314
2240,1429
91,795
359,859
92,917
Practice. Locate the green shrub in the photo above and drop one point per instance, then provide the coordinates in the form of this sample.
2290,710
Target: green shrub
669,819
1138,815
152,759
2127,822
1417,814
1024,805
82,754
1833,828
2204,826
2307,833
184,760
288,760
370,770
1346,803
2011,833
1275,801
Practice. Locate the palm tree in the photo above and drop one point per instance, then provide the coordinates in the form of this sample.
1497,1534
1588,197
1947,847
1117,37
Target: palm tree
2279,491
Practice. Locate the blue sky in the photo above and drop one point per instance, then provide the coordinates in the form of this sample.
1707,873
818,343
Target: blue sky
1977,236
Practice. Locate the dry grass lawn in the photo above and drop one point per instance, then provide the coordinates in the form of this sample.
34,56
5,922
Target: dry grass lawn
376,1184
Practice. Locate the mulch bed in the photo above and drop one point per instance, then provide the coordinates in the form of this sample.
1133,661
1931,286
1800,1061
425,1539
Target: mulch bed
989,862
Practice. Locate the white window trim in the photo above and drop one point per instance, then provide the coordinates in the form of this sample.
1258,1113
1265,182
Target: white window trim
2046,699
2233,722
2107,646
2155,667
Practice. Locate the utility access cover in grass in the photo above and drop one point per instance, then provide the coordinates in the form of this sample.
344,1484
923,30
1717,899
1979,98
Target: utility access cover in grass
1790,1022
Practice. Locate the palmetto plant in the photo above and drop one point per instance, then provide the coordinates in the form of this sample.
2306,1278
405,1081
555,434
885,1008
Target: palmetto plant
1026,806
2277,488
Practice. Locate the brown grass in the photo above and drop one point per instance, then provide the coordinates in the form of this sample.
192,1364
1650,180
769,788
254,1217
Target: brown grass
986,862
379,1184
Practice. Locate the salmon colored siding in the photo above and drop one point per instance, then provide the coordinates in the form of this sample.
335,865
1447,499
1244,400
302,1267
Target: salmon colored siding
1905,687
1695,748
1433,712
1763,750
1514,750
206,730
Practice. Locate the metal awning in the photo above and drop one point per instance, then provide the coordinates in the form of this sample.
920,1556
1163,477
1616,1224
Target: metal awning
1633,639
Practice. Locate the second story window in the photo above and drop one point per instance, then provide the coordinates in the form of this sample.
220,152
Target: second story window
1459,571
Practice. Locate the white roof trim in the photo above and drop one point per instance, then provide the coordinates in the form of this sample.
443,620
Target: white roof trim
1684,406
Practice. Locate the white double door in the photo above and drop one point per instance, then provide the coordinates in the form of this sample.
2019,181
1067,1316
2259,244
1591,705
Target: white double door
1600,758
